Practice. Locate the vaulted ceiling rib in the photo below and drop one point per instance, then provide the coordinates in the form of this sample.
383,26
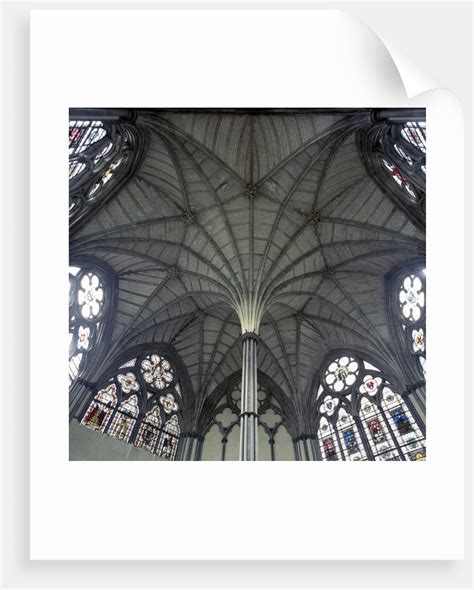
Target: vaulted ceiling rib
241,221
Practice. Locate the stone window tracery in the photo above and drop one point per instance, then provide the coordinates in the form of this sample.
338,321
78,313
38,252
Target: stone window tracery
88,302
101,155
129,408
366,419
395,154
410,299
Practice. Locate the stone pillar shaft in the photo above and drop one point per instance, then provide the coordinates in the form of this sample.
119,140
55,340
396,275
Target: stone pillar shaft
189,447
249,408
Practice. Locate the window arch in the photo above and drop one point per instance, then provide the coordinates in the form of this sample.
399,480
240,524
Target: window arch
102,154
361,416
139,405
402,149
88,305
395,154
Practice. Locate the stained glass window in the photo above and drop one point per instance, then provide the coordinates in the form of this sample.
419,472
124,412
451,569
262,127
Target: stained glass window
400,179
156,371
168,442
101,408
101,153
395,154
378,435
105,176
124,419
75,168
411,303
83,134
87,303
341,373
90,295
349,437
415,134
402,153
418,339
328,441
423,365
412,298
136,413
149,430
365,419
407,432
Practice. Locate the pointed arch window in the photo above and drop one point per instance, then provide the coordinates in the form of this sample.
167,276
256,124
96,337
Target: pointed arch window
414,133
401,150
149,430
168,441
361,416
330,449
139,405
102,155
394,151
101,408
124,419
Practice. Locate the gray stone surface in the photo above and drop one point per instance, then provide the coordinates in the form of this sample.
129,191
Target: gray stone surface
87,445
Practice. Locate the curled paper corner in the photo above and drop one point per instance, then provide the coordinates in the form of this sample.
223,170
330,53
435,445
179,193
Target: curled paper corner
349,56
396,40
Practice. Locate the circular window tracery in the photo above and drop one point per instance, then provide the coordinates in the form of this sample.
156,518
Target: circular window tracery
365,419
156,371
412,298
87,308
136,414
408,324
341,373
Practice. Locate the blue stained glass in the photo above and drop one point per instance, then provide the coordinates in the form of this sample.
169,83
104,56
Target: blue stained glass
401,421
350,440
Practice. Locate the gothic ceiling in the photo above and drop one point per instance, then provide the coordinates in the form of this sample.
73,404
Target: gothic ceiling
237,222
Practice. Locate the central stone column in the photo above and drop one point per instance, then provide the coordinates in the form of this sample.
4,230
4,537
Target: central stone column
249,409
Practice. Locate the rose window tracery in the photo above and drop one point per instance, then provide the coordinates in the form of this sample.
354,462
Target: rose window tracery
361,417
157,371
128,409
342,373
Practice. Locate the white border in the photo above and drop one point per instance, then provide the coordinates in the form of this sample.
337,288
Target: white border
169,74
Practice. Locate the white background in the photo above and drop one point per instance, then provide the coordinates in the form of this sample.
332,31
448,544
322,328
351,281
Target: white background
429,499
